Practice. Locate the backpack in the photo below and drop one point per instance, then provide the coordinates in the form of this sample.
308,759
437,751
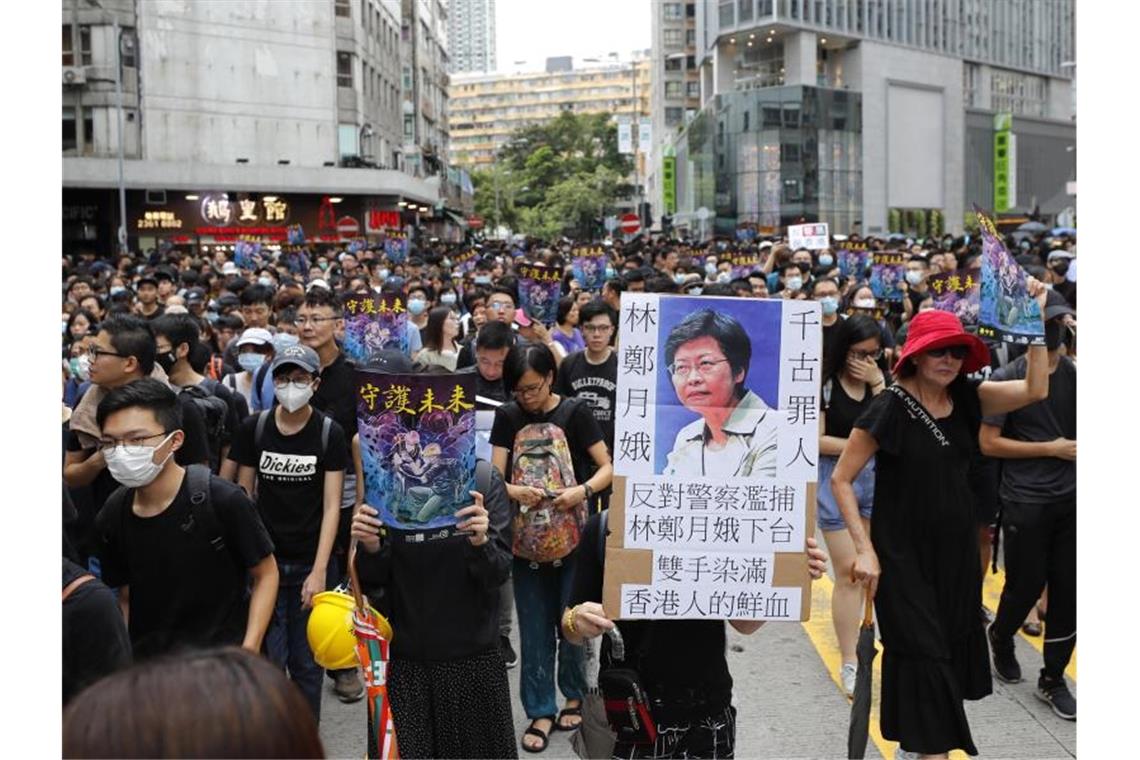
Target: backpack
112,517
215,412
541,459
263,419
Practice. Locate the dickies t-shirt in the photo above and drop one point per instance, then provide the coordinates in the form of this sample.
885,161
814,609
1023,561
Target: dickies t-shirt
291,480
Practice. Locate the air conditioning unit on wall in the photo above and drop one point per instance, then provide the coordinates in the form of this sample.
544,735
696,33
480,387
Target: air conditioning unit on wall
74,75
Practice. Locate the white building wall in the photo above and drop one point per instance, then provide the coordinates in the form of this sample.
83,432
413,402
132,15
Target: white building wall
880,68
224,80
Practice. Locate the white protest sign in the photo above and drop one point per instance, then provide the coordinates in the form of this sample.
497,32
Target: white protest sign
811,236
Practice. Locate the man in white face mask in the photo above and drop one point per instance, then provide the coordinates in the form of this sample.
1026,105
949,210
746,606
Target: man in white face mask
179,542
296,456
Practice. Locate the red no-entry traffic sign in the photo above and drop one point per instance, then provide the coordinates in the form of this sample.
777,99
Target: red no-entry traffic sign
630,224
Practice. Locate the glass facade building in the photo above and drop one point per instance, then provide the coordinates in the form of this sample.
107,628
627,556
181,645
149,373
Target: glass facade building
775,156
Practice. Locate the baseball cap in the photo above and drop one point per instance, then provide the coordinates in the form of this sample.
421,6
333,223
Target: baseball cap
230,268
1056,305
145,279
390,361
195,295
255,336
318,283
1061,255
521,319
299,356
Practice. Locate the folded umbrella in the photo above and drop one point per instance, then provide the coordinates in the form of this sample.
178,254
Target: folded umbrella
372,637
861,697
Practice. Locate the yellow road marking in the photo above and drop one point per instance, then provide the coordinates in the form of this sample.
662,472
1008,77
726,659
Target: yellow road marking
991,595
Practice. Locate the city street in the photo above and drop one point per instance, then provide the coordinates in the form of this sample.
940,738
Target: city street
790,705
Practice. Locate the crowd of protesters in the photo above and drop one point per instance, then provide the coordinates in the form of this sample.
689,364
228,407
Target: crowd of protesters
209,490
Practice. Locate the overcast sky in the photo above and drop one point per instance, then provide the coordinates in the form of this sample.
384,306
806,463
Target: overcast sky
534,30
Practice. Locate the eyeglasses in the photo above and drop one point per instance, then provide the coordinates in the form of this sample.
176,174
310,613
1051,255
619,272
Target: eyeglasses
500,306
597,328
704,368
302,321
95,352
284,382
530,390
129,446
863,355
956,352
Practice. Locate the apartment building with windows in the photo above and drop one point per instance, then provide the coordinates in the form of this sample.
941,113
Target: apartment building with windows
471,35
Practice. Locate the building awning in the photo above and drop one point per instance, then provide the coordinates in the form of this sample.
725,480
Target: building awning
459,219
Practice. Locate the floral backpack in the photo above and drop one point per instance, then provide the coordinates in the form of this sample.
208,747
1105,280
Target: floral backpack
541,459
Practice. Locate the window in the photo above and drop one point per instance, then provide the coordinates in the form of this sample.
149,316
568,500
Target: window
129,43
344,69
85,45
344,9
744,13
672,37
673,116
690,37
726,13
672,11
693,89
673,89
406,77
70,139
672,64
68,60
409,127
690,62
348,140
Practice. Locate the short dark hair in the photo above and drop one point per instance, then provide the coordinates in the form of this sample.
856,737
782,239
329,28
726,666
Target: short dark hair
178,329
494,335
229,322
596,307
146,393
660,284
324,297
471,295
634,275
616,284
816,283
239,705
256,294
131,336
726,331
528,356
718,289
565,306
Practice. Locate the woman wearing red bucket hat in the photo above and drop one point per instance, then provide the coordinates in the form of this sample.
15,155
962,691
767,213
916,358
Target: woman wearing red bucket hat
921,559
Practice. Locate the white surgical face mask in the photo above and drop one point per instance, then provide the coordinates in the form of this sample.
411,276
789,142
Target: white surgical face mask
447,299
864,303
724,277
826,261
135,470
250,361
829,304
264,281
383,274
294,395
914,277
794,283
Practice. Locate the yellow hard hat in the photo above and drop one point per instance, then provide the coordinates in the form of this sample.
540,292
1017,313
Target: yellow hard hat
330,630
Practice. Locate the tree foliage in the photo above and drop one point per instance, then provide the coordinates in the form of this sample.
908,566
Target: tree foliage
555,178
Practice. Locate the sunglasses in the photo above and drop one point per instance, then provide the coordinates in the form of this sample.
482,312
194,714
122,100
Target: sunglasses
956,352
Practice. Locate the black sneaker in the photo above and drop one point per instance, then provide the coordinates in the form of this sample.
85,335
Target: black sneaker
509,656
1006,667
1056,694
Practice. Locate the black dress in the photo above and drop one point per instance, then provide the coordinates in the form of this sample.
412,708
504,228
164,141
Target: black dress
929,598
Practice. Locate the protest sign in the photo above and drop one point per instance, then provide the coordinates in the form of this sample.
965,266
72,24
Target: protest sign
247,255
957,293
539,290
888,270
295,234
743,263
417,446
852,259
396,248
1007,312
814,237
713,525
374,323
357,245
589,266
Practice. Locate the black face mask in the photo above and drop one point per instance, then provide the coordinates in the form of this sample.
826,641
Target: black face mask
804,266
1061,266
166,361
1054,334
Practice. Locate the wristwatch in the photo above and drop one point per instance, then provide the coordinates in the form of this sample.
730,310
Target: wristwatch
589,491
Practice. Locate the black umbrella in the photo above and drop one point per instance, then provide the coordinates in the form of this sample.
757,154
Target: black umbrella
861,698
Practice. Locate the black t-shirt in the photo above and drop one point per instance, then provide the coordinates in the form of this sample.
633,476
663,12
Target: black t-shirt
291,480
95,640
1040,479
596,384
582,432
184,593
336,395
829,334
841,409
701,667
495,390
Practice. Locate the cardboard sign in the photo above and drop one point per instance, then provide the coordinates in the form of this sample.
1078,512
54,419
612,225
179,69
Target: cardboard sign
853,260
1007,312
417,446
589,267
888,271
814,237
539,290
702,528
958,293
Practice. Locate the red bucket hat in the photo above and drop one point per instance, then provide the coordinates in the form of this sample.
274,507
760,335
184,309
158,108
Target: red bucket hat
937,329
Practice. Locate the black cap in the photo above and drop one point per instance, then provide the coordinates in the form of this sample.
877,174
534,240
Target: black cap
389,361
1056,306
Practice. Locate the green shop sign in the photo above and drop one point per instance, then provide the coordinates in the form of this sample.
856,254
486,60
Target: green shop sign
1004,163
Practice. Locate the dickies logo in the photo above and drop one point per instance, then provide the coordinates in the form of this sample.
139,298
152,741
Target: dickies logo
285,466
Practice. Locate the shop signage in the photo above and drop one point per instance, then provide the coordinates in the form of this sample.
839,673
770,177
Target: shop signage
159,220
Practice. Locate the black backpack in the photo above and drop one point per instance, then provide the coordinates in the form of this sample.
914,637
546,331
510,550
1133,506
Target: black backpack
215,412
203,519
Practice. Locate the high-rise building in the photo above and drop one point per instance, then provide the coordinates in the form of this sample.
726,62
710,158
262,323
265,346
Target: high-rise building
471,35
239,123
486,109
874,115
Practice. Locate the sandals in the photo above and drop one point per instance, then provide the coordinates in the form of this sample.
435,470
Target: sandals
569,712
542,735
1031,628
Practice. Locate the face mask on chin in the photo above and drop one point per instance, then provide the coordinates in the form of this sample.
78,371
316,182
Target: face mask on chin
136,470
